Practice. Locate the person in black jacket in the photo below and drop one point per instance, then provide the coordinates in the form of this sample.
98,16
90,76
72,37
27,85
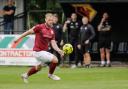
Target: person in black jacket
86,34
72,26
8,14
57,27
104,29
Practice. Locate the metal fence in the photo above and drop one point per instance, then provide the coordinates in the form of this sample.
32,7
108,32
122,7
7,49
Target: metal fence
19,24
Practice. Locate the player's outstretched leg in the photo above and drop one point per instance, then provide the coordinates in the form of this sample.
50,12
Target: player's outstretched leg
52,68
32,71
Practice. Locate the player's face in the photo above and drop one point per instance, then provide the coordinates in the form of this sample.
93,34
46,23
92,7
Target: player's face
10,2
55,20
49,20
85,20
105,15
74,16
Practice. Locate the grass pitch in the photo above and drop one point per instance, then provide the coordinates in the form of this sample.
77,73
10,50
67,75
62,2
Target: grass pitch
79,78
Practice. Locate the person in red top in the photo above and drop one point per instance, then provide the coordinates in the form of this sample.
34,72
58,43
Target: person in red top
44,35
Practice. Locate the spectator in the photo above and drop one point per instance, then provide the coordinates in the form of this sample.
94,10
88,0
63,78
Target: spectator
104,29
73,27
57,27
8,13
86,34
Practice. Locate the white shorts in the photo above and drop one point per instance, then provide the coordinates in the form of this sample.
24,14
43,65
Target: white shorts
43,56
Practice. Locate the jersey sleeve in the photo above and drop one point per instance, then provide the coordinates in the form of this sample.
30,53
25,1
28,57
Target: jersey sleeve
13,8
53,35
92,32
37,29
5,7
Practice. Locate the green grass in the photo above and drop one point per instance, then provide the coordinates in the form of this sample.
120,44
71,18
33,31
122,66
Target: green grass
79,78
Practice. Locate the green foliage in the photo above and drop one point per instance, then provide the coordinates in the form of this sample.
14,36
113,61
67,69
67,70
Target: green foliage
40,7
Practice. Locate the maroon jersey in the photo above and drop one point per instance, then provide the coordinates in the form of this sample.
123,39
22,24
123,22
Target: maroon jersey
43,35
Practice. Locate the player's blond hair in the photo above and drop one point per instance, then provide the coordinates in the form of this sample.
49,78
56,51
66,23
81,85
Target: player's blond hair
48,15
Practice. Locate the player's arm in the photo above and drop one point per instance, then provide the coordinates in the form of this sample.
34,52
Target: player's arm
30,31
8,12
1,12
62,36
92,33
55,47
101,24
65,26
79,39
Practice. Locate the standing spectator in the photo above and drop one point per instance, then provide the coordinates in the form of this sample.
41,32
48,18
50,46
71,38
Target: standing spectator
104,29
73,27
86,34
57,27
44,35
8,13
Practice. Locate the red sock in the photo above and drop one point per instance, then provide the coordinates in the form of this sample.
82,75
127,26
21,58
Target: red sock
52,68
33,70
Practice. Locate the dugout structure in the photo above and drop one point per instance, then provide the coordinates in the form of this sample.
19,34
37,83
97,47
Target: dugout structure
117,10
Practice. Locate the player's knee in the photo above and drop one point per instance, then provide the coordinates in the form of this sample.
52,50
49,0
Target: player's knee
55,60
87,54
102,52
107,50
39,67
